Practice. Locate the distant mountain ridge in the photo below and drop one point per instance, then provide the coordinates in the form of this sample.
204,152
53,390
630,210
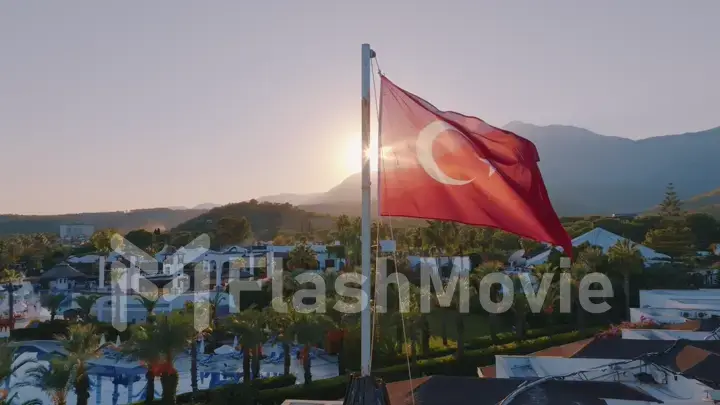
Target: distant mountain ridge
587,173
123,221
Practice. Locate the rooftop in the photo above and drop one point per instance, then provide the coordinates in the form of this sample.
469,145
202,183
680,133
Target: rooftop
446,390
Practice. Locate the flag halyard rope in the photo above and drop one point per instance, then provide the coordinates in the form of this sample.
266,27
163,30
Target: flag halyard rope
405,342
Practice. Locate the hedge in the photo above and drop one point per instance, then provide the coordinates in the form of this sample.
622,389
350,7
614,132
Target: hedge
334,388
49,329
482,342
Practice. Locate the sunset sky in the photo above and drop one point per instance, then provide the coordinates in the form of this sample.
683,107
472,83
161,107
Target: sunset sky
122,105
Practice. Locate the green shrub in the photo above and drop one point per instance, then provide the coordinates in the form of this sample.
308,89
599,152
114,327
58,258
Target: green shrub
48,330
334,388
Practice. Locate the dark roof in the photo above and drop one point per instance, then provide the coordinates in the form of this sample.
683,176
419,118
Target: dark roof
693,362
697,359
62,270
446,390
709,324
626,349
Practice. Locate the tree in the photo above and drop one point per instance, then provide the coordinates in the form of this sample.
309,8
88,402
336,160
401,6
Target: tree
54,378
232,231
82,343
280,324
8,278
86,302
149,302
302,257
626,260
9,366
143,348
671,206
101,240
347,232
705,228
674,240
167,337
248,325
481,282
505,241
141,238
52,303
310,329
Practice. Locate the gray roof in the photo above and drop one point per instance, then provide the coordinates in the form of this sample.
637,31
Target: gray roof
62,270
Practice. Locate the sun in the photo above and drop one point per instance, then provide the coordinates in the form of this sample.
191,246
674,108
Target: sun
352,158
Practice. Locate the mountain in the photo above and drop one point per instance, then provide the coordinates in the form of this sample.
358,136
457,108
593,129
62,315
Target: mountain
294,199
123,221
708,203
205,206
588,173
266,219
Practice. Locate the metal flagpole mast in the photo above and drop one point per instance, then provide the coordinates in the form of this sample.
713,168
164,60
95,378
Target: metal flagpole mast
366,219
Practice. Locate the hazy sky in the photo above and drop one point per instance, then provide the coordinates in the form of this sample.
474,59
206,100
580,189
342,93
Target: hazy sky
121,105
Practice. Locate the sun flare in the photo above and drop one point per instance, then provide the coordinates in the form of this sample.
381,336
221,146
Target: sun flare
354,157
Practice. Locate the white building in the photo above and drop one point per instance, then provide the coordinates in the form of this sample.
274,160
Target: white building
660,383
132,311
76,232
676,306
668,334
605,240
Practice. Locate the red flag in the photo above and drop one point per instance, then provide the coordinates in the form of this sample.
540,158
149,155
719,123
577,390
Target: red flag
448,166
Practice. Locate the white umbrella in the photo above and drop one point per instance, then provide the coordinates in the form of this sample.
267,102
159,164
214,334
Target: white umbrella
102,340
224,349
117,341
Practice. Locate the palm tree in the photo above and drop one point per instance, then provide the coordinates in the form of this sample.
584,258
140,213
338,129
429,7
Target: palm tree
8,278
458,303
248,326
198,312
337,309
55,379
149,302
520,305
9,367
52,303
86,302
146,350
215,302
411,323
310,328
172,332
626,260
82,343
578,270
479,279
281,324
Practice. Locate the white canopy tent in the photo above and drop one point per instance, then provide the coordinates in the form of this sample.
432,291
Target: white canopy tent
603,239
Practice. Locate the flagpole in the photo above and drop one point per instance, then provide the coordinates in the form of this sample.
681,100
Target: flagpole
366,219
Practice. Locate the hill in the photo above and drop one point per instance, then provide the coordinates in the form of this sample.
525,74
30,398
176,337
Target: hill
266,219
592,174
163,218
708,203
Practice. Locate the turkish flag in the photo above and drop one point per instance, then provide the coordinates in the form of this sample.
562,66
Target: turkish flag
451,167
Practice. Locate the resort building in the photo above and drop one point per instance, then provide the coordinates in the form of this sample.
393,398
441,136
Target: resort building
676,306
